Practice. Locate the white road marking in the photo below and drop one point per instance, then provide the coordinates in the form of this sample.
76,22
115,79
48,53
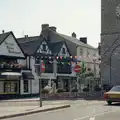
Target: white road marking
92,118
85,117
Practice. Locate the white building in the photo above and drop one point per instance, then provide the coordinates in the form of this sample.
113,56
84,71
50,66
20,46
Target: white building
12,81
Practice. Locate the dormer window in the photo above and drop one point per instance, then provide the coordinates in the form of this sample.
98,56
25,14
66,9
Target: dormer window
81,51
88,53
63,50
44,47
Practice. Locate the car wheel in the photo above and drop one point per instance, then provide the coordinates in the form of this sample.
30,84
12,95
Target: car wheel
109,102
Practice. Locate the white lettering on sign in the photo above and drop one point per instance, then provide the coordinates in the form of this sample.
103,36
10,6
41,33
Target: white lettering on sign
10,48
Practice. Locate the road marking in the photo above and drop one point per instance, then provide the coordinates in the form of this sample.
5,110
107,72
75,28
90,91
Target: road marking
92,118
81,118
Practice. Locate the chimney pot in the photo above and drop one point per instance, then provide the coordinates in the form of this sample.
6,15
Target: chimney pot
3,31
26,36
74,35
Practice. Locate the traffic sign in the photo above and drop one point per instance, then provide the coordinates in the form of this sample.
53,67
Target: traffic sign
43,67
77,68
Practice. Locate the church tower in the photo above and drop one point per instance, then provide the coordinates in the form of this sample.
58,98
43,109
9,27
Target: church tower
110,40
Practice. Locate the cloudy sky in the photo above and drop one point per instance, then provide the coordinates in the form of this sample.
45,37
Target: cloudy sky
26,16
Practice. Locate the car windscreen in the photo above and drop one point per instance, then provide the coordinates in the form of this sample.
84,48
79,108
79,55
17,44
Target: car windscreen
116,89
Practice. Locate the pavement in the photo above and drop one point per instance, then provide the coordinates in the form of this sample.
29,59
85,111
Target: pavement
9,112
35,102
85,110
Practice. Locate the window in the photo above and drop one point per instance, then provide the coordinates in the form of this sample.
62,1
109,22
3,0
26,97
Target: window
81,51
10,87
88,54
25,83
94,55
44,47
63,50
37,60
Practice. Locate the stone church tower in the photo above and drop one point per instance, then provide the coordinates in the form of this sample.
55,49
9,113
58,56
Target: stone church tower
110,41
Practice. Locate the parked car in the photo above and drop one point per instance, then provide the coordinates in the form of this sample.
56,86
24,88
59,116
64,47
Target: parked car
113,95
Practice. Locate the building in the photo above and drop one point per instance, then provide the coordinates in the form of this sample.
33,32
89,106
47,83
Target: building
55,55
110,41
12,74
78,48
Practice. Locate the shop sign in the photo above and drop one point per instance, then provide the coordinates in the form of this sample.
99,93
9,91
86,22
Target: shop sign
10,48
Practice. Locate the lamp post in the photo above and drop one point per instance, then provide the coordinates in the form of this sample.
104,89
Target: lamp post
38,68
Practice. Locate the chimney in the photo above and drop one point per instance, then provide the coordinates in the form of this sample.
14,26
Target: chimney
3,31
44,27
74,35
53,28
83,39
26,36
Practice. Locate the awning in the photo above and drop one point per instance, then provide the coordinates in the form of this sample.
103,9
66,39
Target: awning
27,75
11,73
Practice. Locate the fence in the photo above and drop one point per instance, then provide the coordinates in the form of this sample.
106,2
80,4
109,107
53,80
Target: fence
74,95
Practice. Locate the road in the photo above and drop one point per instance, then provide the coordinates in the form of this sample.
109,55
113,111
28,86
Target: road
100,111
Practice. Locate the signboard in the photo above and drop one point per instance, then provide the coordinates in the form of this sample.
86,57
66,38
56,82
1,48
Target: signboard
10,48
77,68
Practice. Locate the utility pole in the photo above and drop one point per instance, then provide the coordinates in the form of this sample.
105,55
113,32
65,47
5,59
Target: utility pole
40,83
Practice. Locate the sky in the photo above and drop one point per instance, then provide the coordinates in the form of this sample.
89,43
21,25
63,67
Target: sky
24,17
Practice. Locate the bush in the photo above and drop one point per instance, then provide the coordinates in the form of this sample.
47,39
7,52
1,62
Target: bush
60,90
74,90
45,91
97,89
86,90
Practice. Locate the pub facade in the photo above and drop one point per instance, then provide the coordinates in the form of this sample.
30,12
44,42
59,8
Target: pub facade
12,73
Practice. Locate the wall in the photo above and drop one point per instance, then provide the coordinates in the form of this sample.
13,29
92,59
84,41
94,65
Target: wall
66,51
10,48
22,88
110,32
41,50
35,83
89,58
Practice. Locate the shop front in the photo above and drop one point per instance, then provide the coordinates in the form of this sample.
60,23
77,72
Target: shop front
9,84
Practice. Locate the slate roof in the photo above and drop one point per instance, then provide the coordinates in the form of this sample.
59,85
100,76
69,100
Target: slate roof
76,41
71,42
55,46
55,37
30,44
3,36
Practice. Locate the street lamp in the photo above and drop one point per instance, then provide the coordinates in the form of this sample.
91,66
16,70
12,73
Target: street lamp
38,68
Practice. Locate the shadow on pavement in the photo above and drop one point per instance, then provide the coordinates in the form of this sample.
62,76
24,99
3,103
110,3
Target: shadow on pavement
113,104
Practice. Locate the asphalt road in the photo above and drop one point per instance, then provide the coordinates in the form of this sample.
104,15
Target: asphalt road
99,111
